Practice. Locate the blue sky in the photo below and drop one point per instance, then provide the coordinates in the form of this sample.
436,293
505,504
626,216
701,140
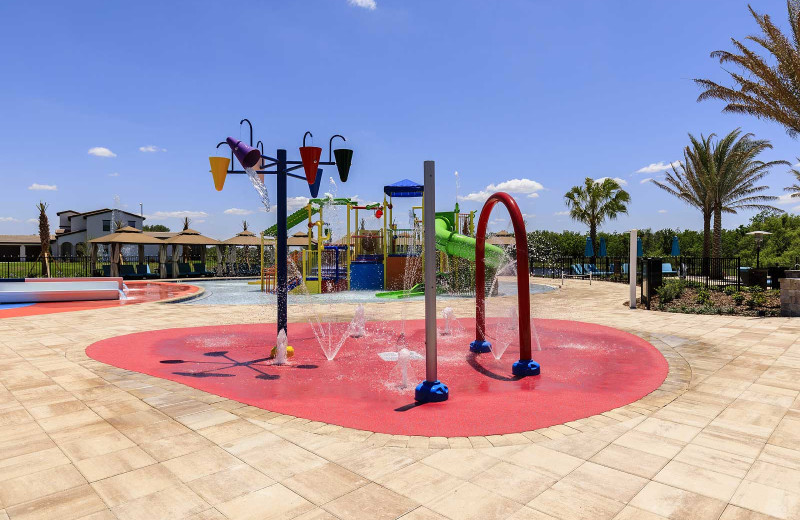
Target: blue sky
538,91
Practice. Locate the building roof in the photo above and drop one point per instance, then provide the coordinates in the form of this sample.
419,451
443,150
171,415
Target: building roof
21,239
68,211
190,237
502,238
243,238
104,210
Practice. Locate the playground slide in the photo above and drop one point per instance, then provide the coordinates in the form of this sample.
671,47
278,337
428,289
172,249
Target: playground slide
462,246
292,220
454,244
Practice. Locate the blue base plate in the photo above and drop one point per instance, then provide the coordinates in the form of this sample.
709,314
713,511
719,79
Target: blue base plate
480,347
431,392
524,368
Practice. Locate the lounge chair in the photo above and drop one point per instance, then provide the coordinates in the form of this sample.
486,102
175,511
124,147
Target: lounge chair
577,270
106,270
184,269
143,270
200,270
592,268
127,272
666,269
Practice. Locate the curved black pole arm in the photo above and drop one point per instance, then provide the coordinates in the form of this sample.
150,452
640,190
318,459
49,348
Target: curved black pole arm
260,146
225,143
304,137
330,145
251,129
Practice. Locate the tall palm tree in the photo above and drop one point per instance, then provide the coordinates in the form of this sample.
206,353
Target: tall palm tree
594,202
767,87
734,178
44,237
688,182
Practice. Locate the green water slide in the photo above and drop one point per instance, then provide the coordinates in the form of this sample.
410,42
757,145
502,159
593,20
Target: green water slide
455,244
452,243
292,220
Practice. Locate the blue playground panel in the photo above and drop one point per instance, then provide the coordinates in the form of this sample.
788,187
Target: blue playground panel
366,276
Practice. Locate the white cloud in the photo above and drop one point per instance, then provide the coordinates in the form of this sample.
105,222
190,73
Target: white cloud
163,215
645,180
115,174
43,187
198,221
238,211
366,4
662,211
99,151
151,149
516,186
292,204
32,221
658,167
786,198
8,219
621,182
561,213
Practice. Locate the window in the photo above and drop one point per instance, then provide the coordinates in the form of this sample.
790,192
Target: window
106,225
132,223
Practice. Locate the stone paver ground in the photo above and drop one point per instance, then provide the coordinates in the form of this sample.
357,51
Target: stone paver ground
720,439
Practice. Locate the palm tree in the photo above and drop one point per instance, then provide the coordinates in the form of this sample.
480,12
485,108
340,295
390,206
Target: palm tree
734,178
767,87
44,237
795,188
594,202
687,181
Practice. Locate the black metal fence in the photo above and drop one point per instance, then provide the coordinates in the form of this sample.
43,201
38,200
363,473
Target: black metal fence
707,272
82,266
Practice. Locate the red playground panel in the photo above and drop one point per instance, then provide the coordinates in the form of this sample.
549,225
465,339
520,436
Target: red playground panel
586,369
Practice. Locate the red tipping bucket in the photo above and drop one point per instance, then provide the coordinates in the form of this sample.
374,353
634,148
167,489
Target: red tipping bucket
310,157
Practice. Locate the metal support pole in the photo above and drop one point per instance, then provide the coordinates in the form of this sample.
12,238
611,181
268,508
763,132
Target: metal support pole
430,390
281,253
632,268
429,217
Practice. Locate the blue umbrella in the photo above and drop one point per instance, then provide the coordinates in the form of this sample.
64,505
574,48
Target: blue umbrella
589,249
676,248
639,252
603,253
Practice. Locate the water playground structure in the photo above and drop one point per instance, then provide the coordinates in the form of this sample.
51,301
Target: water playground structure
353,374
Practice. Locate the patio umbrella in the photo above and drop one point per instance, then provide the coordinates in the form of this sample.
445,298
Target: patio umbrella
676,248
639,251
603,252
589,249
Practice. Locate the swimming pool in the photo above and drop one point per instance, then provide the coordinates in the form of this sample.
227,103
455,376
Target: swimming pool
239,292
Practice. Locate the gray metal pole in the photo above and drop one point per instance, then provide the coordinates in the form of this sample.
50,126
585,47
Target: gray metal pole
429,215
632,268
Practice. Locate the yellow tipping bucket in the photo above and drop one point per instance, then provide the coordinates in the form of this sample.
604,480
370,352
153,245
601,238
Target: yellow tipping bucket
219,170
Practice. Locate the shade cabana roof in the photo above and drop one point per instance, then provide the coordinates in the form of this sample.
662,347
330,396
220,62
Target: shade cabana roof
190,237
299,239
126,235
404,188
243,238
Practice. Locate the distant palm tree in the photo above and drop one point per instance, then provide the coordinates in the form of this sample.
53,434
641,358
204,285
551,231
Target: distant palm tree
688,182
594,202
767,87
795,188
44,238
735,176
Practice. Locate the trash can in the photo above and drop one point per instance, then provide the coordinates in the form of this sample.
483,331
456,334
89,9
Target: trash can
652,279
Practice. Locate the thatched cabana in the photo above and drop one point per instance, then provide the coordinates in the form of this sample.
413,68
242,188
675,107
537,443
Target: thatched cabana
123,236
188,237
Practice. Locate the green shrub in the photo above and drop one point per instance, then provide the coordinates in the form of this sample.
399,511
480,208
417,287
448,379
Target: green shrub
671,290
730,290
738,298
703,297
756,299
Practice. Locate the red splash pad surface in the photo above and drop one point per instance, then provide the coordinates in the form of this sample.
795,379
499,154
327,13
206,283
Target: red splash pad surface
138,292
586,369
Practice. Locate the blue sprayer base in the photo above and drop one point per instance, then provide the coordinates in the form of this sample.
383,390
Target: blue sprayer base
480,346
431,392
526,367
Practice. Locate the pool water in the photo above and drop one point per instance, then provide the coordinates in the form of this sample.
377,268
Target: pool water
239,292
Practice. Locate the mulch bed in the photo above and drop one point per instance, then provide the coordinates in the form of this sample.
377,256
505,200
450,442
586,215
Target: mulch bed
720,303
